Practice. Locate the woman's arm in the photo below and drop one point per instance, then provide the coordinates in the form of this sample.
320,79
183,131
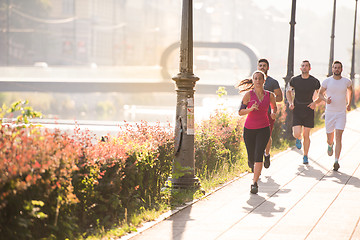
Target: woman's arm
243,109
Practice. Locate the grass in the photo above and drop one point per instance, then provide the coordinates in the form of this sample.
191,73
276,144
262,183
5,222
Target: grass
129,225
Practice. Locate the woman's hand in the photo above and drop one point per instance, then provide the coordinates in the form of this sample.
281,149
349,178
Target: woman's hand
254,107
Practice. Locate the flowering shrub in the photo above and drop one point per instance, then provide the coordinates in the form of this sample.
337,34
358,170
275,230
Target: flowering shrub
217,142
56,185
278,130
35,177
357,95
62,184
122,173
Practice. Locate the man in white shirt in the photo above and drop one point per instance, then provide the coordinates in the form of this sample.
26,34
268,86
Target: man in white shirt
337,92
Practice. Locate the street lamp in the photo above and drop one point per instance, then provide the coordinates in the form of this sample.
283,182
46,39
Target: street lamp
183,173
331,58
290,69
352,73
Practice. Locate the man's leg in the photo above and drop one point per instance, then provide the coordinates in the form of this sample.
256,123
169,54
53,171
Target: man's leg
306,135
338,145
330,138
268,147
297,131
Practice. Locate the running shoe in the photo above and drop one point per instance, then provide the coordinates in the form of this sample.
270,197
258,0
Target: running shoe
298,143
336,166
330,149
305,160
254,188
267,161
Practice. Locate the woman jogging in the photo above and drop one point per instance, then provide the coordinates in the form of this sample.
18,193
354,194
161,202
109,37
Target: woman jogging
255,105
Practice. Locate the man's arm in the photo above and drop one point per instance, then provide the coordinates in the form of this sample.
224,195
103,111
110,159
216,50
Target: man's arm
273,106
289,97
349,95
313,104
278,94
321,96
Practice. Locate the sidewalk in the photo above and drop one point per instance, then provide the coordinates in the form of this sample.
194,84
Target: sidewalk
295,201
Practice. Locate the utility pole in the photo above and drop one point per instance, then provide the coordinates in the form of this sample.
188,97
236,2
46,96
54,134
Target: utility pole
75,47
114,32
352,73
290,70
331,58
183,168
8,33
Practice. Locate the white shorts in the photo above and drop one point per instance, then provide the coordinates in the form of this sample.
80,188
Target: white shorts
335,120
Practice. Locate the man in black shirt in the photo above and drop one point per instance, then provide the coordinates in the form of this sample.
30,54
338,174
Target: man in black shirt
271,85
303,106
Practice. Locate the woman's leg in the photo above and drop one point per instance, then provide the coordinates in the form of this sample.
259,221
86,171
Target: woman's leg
262,139
249,139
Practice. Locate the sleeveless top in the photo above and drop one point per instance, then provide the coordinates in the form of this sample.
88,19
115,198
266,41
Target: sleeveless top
258,118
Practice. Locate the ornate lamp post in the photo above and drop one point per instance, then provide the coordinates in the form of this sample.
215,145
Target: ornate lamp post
290,69
183,174
352,73
331,58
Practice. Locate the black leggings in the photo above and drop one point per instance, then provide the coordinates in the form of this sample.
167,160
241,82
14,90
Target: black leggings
255,142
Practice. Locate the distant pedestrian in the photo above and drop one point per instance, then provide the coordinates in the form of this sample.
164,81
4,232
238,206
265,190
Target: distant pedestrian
271,85
305,87
337,92
255,105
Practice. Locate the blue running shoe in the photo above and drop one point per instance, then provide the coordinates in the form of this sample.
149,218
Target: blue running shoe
330,150
298,143
305,160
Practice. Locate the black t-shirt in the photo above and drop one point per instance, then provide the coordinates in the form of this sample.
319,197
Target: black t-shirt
304,89
271,84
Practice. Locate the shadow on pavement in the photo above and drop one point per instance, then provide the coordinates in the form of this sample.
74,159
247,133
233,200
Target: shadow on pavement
337,177
179,223
270,183
343,178
262,205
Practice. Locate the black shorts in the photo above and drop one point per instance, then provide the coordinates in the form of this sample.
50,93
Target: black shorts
303,116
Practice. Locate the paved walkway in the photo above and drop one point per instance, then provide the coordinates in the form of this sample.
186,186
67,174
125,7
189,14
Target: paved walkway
295,201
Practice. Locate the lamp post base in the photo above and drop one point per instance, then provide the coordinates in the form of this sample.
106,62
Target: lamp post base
183,183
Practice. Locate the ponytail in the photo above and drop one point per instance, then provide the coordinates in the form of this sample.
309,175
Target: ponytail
245,85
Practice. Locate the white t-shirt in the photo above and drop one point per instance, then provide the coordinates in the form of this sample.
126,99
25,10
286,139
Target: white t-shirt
337,90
